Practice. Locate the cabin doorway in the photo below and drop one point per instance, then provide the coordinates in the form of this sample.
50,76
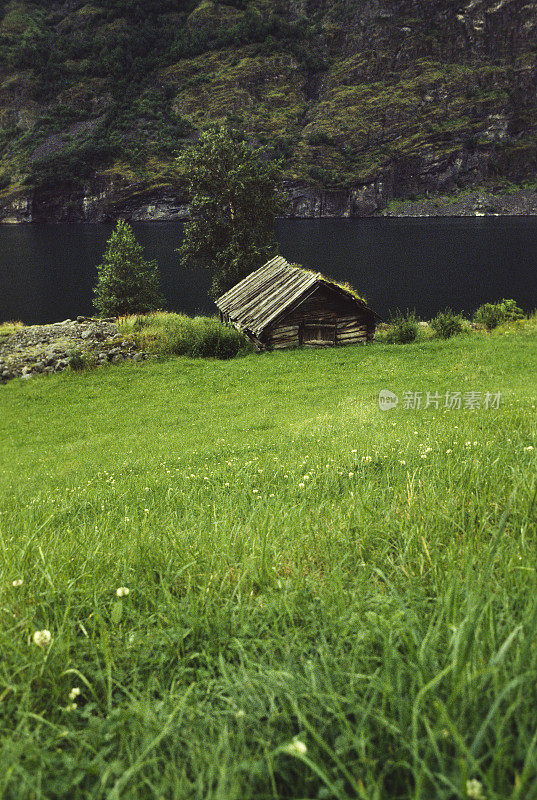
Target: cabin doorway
318,334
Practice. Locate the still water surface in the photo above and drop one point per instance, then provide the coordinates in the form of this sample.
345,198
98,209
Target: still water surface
47,271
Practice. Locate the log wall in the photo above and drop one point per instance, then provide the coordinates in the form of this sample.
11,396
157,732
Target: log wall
311,323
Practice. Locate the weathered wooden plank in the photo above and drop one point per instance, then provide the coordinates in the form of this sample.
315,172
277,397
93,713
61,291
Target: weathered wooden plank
284,329
349,331
353,335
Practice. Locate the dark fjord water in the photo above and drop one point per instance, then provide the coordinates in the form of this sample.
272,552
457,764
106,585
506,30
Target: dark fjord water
47,271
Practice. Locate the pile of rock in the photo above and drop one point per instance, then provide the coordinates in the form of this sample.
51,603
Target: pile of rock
52,348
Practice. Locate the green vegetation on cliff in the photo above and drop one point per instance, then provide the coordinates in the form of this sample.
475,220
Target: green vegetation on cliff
346,93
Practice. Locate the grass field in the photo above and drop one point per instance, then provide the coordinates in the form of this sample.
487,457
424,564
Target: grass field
325,600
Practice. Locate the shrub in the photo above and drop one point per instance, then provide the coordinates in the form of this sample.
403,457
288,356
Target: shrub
493,314
404,328
77,360
511,310
447,324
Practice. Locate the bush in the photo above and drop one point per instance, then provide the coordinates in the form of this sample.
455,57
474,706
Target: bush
404,328
78,360
447,324
493,314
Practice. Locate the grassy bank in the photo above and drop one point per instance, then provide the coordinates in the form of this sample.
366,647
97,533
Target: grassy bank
325,600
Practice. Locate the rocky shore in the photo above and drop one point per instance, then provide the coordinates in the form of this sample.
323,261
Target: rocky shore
52,348
107,202
519,202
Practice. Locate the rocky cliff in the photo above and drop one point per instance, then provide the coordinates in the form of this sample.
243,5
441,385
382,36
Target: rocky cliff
367,102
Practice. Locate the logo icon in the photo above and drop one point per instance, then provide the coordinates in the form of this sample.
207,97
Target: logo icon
387,400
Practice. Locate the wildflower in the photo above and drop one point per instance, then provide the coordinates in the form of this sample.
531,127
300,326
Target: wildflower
240,714
74,693
403,463
271,495
71,707
449,451
351,474
42,638
300,485
526,450
474,789
18,582
296,748
122,591
255,491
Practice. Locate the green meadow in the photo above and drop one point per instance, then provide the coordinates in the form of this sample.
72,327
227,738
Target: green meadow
325,600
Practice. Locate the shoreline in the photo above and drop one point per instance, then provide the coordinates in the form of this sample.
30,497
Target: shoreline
305,202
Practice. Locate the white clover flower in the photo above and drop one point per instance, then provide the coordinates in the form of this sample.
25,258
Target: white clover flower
474,789
42,638
122,591
300,485
271,495
403,463
526,449
18,582
296,748
255,491
449,451
351,474
71,707
74,693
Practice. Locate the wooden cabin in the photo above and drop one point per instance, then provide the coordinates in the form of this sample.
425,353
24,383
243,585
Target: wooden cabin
283,305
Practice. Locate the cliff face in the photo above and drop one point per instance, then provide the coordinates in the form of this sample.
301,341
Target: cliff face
367,102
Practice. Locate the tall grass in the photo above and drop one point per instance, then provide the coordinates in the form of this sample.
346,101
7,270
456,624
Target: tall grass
166,334
325,600
8,329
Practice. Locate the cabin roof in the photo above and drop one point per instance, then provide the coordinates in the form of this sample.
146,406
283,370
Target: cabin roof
263,295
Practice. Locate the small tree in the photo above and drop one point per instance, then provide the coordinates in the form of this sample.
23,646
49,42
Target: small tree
127,283
234,206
